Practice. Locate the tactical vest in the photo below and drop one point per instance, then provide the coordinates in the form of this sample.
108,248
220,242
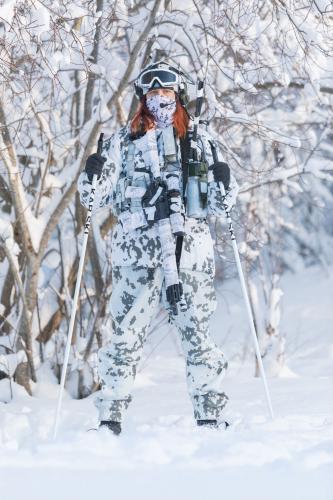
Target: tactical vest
135,179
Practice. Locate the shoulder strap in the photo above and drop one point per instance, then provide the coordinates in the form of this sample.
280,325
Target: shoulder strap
185,149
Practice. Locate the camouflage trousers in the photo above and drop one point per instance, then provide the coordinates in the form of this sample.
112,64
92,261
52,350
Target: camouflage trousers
136,297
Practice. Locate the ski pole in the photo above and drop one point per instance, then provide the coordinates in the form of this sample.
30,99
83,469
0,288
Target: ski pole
77,290
247,302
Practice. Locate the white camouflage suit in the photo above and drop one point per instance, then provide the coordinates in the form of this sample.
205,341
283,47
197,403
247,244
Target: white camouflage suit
138,289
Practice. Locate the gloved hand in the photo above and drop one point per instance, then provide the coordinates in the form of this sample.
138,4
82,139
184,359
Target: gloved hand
94,165
221,173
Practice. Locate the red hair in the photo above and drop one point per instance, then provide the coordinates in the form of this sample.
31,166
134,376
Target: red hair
143,120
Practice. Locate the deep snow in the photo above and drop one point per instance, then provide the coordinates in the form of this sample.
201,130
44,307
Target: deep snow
161,454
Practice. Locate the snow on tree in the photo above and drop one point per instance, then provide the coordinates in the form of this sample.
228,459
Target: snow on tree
67,73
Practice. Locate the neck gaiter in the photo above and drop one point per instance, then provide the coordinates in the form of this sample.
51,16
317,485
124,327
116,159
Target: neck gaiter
163,115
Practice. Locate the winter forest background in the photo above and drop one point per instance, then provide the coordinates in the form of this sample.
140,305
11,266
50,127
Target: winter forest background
67,72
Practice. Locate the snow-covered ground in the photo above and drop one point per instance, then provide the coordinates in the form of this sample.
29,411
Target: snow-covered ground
162,454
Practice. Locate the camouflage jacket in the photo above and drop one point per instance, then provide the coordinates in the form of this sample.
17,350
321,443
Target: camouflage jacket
141,247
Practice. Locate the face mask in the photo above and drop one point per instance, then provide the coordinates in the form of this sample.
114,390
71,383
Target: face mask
163,115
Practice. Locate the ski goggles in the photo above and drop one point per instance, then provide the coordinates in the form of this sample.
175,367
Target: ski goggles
164,77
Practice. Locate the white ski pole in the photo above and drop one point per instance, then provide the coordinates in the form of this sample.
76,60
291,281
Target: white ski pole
247,304
77,291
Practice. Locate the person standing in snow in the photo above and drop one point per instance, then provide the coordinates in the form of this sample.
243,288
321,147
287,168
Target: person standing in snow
136,167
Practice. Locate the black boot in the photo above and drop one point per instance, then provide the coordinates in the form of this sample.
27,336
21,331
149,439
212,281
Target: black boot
213,424
115,427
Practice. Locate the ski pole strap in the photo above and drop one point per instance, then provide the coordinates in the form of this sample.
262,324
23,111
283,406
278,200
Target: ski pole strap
100,143
214,152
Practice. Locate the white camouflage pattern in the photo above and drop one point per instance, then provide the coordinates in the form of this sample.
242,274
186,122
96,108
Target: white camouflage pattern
137,293
142,246
138,289
163,116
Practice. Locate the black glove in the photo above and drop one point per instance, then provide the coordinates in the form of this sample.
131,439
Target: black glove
221,173
94,165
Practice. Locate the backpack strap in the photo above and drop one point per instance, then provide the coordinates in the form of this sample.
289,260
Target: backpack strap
185,149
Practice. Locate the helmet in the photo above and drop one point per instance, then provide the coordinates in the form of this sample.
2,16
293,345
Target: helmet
163,75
